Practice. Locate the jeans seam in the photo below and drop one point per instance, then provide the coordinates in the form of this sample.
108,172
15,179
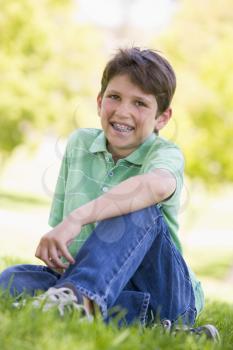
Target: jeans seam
188,308
94,297
158,216
90,295
187,277
144,308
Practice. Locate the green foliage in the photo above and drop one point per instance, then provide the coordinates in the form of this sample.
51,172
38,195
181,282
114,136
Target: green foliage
216,264
10,261
30,328
20,200
199,44
45,66
50,66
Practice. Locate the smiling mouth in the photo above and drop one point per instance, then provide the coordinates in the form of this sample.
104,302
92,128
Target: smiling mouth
122,128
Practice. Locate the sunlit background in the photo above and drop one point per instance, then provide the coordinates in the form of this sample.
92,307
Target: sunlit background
52,53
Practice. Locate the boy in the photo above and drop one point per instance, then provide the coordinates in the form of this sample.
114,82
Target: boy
114,212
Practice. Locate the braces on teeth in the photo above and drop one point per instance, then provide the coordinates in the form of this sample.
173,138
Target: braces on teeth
122,127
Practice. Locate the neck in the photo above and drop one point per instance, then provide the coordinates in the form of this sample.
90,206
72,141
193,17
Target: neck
116,156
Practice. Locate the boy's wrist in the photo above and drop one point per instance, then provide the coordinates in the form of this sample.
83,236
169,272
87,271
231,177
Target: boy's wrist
75,218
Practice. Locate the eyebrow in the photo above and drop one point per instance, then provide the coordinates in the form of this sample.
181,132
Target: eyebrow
141,98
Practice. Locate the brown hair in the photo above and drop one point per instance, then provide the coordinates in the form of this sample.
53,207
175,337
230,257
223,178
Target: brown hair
147,69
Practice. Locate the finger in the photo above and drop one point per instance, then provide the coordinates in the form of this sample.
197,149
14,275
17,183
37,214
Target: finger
39,254
54,257
50,264
42,254
65,252
53,265
38,251
59,253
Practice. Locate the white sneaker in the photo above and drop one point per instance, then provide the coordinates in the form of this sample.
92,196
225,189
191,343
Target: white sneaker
208,330
62,298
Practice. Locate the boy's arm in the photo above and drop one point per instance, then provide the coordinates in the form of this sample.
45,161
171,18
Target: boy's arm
135,193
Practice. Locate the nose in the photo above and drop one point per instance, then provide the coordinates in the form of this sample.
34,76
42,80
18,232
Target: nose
123,109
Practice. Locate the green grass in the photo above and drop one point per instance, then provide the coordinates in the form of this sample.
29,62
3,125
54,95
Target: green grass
30,328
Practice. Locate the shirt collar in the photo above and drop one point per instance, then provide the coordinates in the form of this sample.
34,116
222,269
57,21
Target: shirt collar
99,143
137,157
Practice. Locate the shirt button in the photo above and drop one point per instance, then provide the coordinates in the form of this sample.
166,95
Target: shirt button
107,158
105,189
110,173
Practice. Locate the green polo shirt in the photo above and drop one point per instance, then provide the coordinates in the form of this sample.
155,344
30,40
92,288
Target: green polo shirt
88,170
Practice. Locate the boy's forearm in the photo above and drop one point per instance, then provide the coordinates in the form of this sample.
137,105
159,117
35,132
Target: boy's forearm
132,194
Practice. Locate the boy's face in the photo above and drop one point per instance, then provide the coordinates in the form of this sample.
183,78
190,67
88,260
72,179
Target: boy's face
127,115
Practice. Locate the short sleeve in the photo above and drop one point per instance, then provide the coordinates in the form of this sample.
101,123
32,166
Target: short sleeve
169,158
57,208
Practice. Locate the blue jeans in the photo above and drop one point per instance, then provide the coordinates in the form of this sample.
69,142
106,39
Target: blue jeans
129,262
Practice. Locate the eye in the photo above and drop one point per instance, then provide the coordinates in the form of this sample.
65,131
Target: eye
113,97
139,103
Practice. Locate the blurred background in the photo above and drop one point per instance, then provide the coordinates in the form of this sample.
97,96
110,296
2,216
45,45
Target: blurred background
52,53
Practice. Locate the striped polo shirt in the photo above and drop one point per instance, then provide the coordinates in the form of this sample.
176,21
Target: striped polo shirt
88,170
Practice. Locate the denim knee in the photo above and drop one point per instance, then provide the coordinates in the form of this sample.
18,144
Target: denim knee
6,277
27,278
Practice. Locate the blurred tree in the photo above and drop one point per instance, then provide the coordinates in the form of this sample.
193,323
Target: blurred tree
199,44
46,68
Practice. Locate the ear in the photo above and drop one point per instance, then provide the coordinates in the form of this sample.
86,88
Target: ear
163,119
99,103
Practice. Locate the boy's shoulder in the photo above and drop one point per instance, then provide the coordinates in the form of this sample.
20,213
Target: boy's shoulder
164,151
164,144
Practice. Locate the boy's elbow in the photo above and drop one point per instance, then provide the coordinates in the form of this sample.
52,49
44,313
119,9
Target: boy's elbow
162,184
165,191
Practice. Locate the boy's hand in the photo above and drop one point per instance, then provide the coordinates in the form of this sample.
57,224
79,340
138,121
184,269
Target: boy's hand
53,245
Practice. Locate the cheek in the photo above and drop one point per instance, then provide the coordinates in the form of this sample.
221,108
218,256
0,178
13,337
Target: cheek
107,107
147,123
